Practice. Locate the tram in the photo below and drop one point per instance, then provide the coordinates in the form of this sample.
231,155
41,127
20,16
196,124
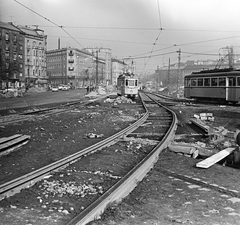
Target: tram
222,85
127,85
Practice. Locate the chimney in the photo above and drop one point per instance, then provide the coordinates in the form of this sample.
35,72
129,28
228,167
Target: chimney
59,43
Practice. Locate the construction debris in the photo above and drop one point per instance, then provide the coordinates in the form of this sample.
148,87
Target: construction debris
215,158
119,100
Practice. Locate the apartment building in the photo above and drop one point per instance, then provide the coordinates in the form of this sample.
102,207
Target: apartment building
105,54
118,67
11,56
35,43
74,67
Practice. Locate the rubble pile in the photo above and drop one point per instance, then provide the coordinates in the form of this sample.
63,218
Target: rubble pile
119,100
13,94
219,138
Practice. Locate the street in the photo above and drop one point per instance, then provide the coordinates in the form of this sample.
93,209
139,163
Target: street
41,98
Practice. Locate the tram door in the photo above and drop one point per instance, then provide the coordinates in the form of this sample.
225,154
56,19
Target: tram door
187,88
230,88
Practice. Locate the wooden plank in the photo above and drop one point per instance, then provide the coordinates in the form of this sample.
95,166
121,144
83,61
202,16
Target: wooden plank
201,125
182,148
215,158
14,142
5,139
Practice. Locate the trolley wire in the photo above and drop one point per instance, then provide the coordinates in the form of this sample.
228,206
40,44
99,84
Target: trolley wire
49,21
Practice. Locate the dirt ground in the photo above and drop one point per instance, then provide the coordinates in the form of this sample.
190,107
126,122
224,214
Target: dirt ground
177,192
174,192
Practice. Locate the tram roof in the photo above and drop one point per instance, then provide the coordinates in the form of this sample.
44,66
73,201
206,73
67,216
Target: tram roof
214,73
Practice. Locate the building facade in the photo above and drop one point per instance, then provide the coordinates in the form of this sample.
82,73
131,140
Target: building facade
104,54
11,56
74,67
118,67
35,43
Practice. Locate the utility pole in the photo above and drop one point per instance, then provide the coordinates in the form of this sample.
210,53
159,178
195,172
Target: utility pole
96,69
168,76
178,72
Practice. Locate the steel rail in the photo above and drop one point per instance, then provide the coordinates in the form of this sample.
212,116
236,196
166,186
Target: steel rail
29,179
126,184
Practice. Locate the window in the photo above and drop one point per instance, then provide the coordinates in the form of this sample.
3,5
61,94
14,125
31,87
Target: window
214,81
14,48
7,47
14,56
7,65
200,82
232,81
7,55
238,81
14,38
71,53
6,36
193,82
207,82
222,81
187,83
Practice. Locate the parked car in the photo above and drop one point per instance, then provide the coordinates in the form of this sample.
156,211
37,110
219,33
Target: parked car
9,89
65,87
54,89
60,86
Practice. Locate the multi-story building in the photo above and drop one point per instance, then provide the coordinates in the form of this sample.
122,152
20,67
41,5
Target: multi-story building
118,67
106,55
73,66
35,55
11,56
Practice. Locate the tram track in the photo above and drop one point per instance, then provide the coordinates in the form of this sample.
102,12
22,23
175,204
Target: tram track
155,116
35,114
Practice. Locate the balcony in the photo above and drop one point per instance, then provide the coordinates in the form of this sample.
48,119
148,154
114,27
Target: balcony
70,68
71,60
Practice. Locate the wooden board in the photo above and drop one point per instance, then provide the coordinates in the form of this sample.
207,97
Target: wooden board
5,139
14,142
215,158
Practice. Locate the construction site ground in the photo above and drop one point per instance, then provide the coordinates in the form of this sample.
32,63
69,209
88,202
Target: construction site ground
177,192
174,192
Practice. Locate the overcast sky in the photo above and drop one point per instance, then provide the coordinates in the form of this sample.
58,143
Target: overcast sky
151,31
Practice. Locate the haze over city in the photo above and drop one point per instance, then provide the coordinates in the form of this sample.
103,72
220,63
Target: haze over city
146,31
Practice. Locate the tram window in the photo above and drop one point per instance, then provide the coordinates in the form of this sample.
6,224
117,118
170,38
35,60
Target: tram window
222,81
232,81
193,82
200,82
238,81
136,83
214,81
206,81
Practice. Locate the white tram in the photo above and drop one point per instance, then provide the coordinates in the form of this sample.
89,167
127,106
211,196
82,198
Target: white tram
127,85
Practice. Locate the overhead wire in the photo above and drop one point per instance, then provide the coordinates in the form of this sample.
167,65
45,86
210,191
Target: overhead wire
48,21
160,28
150,54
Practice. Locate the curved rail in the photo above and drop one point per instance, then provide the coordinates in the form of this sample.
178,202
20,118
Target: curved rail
125,185
29,179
